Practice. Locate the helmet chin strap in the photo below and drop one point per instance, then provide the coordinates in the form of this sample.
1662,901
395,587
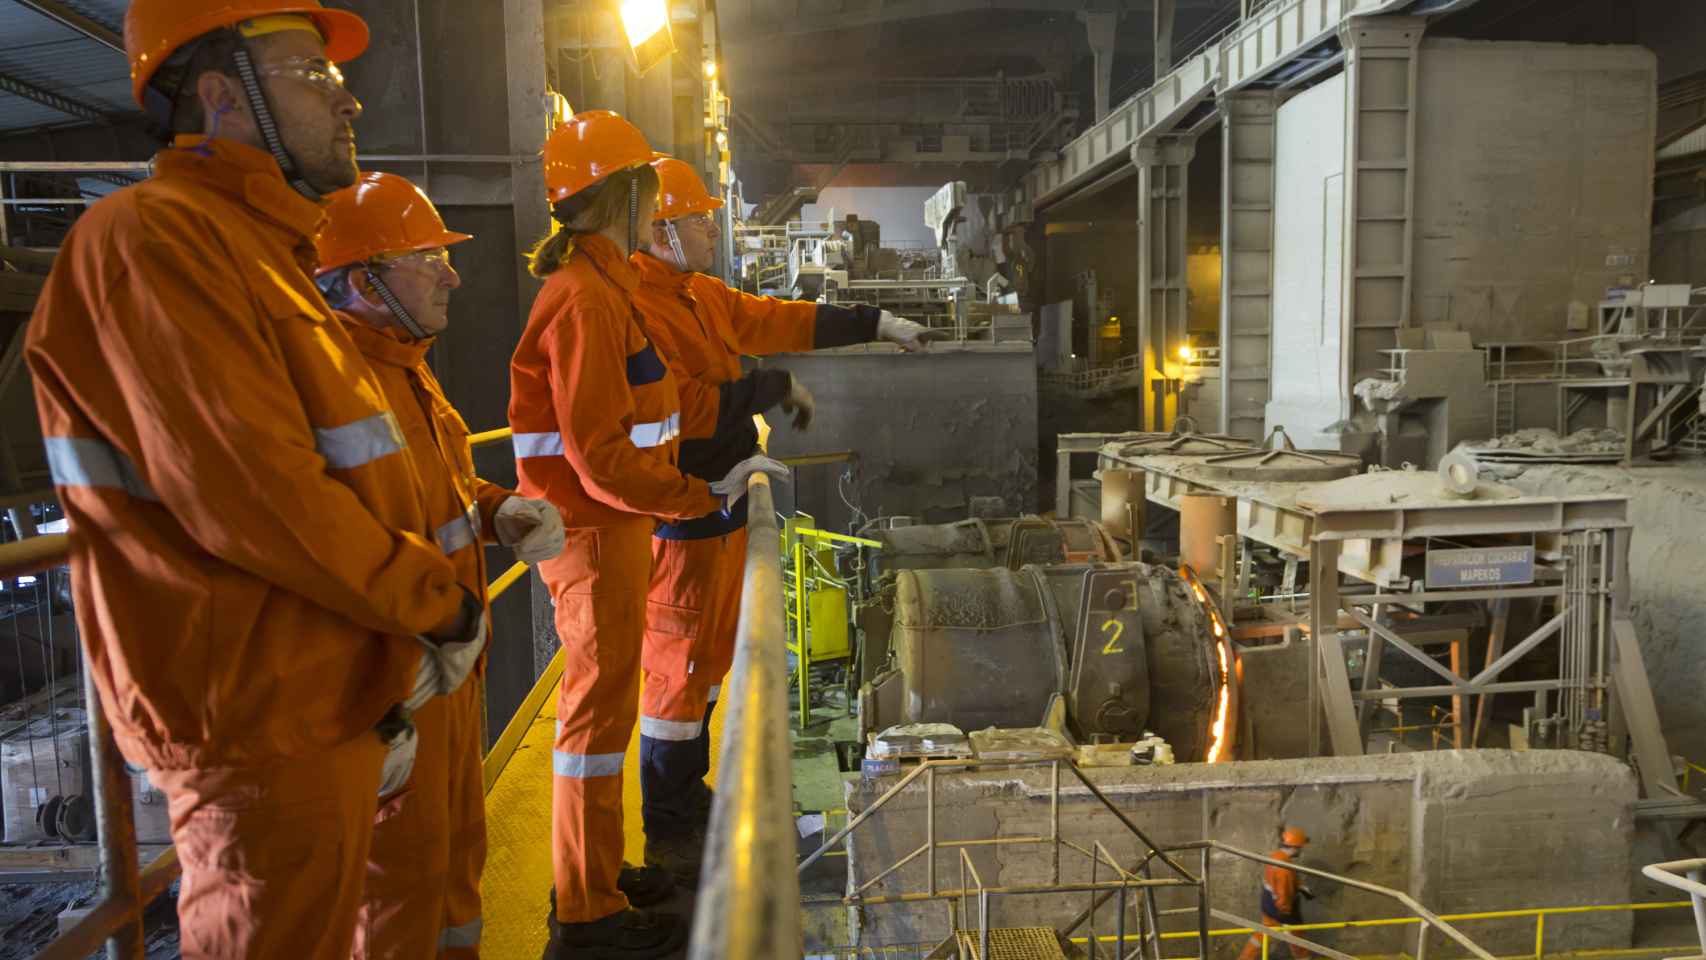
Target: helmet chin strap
633,213
268,127
675,245
405,319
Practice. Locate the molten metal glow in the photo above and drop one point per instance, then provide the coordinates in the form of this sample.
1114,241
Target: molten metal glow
1217,749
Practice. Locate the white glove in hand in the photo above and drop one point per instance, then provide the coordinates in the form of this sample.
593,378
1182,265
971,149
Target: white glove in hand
912,337
799,403
732,487
399,761
444,666
533,528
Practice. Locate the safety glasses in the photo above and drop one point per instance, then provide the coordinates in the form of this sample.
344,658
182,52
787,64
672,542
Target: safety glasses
436,259
703,221
320,74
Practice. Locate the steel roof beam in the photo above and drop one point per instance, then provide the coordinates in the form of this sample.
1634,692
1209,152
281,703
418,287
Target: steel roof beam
71,19
48,98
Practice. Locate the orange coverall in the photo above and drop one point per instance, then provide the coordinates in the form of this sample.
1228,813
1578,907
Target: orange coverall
693,607
596,416
1280,905
250,557
429,840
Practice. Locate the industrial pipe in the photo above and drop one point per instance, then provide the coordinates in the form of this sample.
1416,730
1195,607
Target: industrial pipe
749,892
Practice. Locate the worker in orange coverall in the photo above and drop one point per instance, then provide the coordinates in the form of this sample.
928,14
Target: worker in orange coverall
257,587
385,266
1282,895
597,419
704,327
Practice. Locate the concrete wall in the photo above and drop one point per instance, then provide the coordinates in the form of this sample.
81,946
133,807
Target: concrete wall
1459,832
1535,176
1308,242
930,430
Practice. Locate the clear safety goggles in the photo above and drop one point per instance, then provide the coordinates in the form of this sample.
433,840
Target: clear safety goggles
320,74
703,221
436,260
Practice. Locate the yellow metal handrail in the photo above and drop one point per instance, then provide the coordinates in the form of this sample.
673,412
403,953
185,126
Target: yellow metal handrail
1538,913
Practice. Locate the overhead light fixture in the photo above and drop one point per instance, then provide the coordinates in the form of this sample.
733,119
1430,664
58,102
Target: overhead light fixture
722,139
710,69
646,23
1185,352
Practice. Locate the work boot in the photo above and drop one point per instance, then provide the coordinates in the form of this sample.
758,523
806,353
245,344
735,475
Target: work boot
628,935
643,886
679,853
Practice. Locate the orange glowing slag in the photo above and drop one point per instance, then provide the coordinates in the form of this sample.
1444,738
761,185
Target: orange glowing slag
1217,749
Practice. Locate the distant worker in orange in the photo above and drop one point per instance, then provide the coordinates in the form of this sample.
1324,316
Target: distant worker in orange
597,418
385,267
257,586
1282,895
704,327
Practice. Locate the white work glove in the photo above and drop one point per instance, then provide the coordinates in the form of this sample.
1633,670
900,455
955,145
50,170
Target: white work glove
399,755
732,487
799,403
911,337
444,666
532,528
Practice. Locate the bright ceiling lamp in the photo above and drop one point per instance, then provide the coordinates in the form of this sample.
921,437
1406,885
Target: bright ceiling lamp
646,22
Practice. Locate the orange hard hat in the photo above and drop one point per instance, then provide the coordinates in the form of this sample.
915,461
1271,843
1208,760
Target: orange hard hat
588,147
381,213
1294,837
680,191
154,29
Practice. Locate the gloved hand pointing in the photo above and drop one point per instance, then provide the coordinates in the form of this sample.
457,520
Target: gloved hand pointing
533,528
732,487
912,337
799,403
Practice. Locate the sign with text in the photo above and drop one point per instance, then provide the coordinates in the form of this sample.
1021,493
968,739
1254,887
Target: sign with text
1481,566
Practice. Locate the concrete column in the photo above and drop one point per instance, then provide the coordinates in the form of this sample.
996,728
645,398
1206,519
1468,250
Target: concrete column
1380,188
1101,26
1164,17
1247,258
1162,175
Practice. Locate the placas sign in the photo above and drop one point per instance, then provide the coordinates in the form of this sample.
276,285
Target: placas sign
1480,566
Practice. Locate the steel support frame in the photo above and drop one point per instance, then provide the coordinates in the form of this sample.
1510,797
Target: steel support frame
69,106
1248,139
1381,59
1163,176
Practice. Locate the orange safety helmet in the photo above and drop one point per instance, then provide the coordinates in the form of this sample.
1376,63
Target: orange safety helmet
154,29
588,147
1294,837
381,213
680,191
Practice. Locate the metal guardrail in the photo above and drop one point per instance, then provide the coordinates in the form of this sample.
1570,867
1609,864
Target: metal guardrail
1668,874
749,894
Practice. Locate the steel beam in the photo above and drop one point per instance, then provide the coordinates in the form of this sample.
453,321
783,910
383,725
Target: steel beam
69,18
1163,175
1333,680
1247,131
48,98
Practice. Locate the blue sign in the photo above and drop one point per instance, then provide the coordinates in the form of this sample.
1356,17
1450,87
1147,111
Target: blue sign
1481,566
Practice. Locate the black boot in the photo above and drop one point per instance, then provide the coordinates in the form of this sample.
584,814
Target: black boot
628,935
643,886
679,853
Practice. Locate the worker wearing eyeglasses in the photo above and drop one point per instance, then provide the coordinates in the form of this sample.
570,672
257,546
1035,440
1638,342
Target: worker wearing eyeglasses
703,327
255,574
385,266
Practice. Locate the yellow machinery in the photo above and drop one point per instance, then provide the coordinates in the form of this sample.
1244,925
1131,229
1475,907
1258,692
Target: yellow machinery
818,602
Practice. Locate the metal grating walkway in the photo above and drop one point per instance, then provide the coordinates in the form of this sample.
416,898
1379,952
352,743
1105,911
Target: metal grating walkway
1013,943
518,837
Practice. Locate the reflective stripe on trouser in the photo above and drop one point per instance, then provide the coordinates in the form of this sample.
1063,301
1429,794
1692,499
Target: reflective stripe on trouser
273,857
599,587
1253,947
692,613
425,837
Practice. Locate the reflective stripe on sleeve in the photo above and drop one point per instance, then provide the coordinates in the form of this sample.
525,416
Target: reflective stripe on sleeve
716,690
537,444
88,462
463,936
464,531
361,442
660,729
656,434
585,765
